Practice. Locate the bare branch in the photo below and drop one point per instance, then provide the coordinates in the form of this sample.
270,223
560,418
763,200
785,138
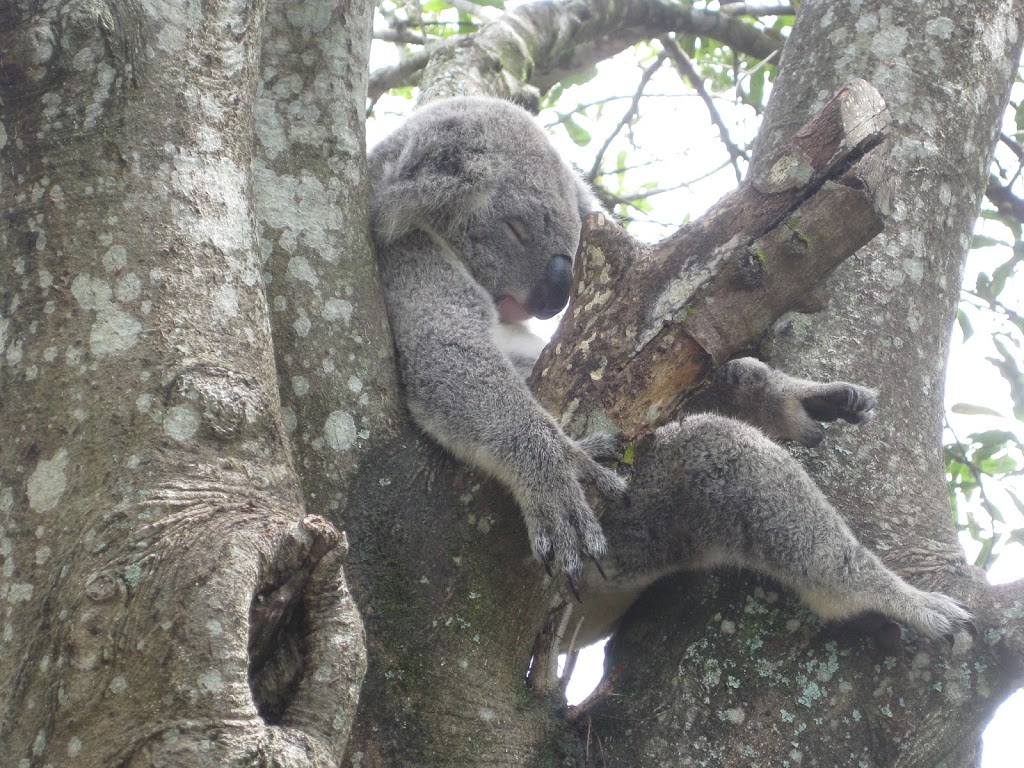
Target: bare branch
1007,203
400,35
482,11
685,68
628,118
543,43
757,8
1007,615
406,72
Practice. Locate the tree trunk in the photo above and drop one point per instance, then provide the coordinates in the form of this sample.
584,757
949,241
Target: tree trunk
156,549
734,672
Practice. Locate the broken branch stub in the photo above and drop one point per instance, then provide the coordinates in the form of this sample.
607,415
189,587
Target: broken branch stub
648,324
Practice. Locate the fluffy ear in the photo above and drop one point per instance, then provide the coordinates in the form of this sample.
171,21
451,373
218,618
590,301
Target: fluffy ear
435,172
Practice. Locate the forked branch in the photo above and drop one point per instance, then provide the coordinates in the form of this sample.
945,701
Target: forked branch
648,325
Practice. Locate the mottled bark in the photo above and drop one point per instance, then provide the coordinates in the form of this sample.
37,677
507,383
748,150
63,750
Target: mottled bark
158,552
742,676
154,539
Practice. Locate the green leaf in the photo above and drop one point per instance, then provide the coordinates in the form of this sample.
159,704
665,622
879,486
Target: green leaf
1003,272
984,241
756,90
435,6
1010,370
965,324
576,132
966,409
581,77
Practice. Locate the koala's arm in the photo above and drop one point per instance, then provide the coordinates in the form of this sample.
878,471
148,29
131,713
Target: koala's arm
464,392
784,407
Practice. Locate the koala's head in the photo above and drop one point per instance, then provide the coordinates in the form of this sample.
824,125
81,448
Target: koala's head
482,174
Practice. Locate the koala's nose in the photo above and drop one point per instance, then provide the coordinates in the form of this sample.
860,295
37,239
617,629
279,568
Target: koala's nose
550,295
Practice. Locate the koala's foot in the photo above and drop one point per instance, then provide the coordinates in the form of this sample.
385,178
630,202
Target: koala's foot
883,593
840,400
787,408
938,615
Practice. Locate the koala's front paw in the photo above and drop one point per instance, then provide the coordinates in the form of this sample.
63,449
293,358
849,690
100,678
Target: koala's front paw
840,400
564,531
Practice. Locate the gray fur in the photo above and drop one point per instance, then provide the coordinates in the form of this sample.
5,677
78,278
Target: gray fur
470,205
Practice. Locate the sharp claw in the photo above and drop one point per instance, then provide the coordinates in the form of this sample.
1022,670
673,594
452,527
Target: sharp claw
597,564
574,589
547,560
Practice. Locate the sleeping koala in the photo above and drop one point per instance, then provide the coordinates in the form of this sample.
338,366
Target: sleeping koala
476,220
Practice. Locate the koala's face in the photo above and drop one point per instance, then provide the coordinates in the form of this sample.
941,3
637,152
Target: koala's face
481,173
520,246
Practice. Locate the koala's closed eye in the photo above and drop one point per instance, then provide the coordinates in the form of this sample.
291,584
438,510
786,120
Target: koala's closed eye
517,229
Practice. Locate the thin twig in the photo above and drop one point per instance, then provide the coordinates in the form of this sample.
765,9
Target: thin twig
627,118
686,70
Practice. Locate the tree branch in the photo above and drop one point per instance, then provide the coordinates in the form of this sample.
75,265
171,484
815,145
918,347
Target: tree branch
1007,614
627,119
710,290
685,69
1007,203
757,8
545,42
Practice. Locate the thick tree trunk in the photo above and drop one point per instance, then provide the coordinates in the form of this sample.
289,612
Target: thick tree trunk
739,675
155,546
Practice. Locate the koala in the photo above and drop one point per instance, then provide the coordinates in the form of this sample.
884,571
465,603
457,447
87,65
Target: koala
476,220
717,491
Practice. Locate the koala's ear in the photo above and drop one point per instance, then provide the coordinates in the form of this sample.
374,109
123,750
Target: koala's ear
440,174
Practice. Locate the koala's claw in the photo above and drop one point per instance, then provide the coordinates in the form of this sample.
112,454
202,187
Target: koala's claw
574,588
600,568
942,616
547,557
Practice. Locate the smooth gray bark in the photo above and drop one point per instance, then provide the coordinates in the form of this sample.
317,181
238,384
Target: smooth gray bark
154,540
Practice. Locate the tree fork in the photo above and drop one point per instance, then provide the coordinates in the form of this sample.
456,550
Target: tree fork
655,322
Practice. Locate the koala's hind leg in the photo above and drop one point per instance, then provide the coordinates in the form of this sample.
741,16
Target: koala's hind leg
784,407
715,491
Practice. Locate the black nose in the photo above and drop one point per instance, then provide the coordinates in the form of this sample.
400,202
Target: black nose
550,295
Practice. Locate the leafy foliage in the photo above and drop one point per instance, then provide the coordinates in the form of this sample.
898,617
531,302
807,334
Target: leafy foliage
984,437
